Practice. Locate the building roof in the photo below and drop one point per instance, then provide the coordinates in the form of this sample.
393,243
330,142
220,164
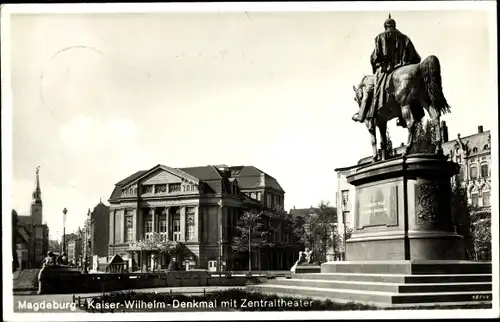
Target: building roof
478,143
304,212
247,177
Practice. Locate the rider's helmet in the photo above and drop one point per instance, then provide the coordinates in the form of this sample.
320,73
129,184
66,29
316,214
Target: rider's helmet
389,23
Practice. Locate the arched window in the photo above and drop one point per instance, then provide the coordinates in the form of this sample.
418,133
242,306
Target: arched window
473,171
474,150
486,147
486,199
484,170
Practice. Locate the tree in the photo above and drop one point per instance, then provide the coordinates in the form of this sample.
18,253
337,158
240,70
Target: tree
251,235
321,232
424,141
481,234
389,148
159,245
460,213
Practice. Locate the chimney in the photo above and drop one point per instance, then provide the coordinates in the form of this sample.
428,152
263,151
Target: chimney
480,129
444,132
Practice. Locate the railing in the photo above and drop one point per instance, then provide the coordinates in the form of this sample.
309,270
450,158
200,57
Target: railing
267,274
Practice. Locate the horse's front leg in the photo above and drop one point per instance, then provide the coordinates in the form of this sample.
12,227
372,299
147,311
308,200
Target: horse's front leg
370,124
382,127
410,124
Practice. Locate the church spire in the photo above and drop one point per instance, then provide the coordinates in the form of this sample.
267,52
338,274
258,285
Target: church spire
37,193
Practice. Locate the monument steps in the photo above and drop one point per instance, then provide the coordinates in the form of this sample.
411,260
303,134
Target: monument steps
387,286
398,278
424,267
375,297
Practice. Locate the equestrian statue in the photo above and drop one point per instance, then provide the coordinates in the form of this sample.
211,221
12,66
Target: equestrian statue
402,87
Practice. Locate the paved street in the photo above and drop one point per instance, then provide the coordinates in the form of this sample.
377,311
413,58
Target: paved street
63,302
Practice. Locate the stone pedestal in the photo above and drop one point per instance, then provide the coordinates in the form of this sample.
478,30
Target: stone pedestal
402,211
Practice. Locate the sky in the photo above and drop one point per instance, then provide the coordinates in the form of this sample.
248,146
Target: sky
98,97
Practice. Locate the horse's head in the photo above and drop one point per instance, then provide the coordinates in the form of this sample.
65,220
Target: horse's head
358,93
361,91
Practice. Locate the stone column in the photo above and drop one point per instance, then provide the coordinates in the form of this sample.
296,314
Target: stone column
152,213
140,224
111,227
134,225
196,225
122,225
183,223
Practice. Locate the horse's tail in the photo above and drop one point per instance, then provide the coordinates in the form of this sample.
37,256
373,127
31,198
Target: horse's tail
431,74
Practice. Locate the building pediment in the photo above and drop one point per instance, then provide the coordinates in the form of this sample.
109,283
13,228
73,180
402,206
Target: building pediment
162,174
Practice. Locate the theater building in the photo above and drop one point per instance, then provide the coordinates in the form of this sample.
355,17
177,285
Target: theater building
197,207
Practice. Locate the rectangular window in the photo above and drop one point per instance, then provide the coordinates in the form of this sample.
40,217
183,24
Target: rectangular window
484,171
177,228
128,236
486,199
147,189
148,229
161,188
163,226
174,187
345,197
190,232
475,199
129,225
473,172
269,200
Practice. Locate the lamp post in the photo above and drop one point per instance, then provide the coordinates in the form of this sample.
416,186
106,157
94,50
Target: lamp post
344,206
65,211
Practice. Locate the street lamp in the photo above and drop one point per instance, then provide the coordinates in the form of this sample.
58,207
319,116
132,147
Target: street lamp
65,211
344,207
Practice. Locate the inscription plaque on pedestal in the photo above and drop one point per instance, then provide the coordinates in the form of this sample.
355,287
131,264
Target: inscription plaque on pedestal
377,206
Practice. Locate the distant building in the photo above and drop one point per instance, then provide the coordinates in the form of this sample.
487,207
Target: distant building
198,207
32,242
96,231
312,211
74,247
472,153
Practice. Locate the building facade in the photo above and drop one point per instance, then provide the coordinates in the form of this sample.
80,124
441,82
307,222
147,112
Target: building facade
95,232
74,247
472,153
197,207
33,242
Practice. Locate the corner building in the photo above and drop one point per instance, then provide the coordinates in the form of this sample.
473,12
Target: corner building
197,207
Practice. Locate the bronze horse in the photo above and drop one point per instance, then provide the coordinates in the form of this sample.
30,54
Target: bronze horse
415,87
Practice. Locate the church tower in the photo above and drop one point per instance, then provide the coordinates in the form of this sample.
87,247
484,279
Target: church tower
36,202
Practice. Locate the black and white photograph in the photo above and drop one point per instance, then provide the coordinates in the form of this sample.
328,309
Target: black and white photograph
249,161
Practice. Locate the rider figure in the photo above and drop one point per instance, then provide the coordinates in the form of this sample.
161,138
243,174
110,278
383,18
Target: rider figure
393,49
